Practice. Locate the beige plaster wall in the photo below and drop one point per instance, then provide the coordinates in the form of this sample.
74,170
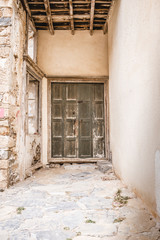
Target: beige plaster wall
65,54
134,70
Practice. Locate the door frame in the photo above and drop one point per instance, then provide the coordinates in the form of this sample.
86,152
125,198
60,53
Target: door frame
79,79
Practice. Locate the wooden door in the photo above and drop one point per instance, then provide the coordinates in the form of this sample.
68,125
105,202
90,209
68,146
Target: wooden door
77,120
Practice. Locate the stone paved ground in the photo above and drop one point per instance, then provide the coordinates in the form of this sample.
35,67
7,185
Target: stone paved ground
74,202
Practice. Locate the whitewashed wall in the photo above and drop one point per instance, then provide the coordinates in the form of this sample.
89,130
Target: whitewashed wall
134,67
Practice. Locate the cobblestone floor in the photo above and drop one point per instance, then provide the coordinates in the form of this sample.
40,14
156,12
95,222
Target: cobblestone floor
74,202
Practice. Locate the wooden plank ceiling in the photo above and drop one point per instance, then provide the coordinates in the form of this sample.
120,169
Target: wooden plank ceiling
68,14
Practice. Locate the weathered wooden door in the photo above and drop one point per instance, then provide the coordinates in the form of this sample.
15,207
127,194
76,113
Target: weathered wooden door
77,120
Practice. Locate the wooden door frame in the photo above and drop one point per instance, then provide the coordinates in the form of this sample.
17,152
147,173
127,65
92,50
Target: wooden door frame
79,79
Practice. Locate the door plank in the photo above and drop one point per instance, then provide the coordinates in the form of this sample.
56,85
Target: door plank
85,119
98,122
70,119
57,120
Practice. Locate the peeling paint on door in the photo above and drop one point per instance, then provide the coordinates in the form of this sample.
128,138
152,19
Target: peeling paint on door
77,120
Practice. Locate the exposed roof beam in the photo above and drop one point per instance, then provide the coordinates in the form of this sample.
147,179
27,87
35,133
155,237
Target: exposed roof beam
65,17
31,22
92,16
71,16
49,16
74,2
67,10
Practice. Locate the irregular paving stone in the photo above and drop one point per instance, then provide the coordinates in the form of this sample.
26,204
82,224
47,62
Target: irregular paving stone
30,213
51,235
4,235
67,219
12,223
96,203
81,176
95,230
21,235
64,206
6,212
86,238
59,201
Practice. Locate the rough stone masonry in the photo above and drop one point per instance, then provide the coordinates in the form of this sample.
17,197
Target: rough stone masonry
12,31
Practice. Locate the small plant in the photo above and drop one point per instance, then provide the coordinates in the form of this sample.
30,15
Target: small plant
120,200
78,233
66,228
117,220
20,209
90,221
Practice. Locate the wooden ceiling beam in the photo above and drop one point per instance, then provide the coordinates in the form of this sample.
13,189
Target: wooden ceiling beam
74,2
71,16
49,16
92,16
67,10
66,17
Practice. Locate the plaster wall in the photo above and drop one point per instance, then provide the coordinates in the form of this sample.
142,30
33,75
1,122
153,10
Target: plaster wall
134,58
64,54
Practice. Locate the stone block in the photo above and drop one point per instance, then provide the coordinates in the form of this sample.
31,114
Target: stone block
7,142
4,63
4,154
4,40
4,51
4,131
7,12
4,123
4,164
3,175
5,3
5,21
3,184
4,86
5,31
6,98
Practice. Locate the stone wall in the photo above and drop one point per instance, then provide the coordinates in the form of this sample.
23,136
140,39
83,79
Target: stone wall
12,32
